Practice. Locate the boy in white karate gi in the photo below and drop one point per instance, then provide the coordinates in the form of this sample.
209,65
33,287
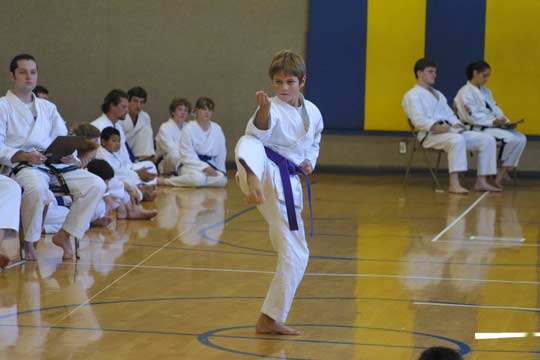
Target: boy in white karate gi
28,125
439,128
168,137
284,131
10,204
138,126
115,108
110,152
477,108
202,151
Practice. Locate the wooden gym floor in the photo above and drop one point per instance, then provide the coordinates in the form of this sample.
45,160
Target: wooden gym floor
392,271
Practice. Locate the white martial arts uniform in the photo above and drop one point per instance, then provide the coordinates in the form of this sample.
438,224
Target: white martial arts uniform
10,204
101,123
20,131
295,134
57,213
477,107
168,146
140,136
195,142
424,109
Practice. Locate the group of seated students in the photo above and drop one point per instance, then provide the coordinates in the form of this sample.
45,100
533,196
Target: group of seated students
111,177
476,125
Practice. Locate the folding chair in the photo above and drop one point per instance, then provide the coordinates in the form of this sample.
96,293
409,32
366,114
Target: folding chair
417,147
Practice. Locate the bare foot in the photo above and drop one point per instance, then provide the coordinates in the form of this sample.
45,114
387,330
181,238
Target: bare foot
121,212
4,261
256,195
267,325
460,190
61,239
137,212
104,221
486,187
29,251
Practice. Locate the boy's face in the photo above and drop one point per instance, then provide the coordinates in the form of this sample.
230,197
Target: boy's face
180,114
25,76
287,87
136,104
204,114
428,75
482,77
112,144
43,96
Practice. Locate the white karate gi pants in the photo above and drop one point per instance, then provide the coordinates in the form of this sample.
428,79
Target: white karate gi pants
291,246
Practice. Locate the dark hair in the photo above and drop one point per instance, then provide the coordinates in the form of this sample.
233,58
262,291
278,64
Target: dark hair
40,90
176,102
440,353
15,61
422,64
113,98
478,66
205,103
101,168
137,91
288,62
108,132
87,130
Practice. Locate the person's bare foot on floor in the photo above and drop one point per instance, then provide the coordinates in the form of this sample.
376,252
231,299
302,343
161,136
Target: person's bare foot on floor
137,212
458,189
485,186
61,239
29,251
267,325
104,221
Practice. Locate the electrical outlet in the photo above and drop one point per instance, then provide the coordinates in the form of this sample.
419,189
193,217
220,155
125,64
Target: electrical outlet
402,147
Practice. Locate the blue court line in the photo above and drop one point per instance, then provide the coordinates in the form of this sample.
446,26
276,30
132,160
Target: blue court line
464,348
205,339
321,257
205,298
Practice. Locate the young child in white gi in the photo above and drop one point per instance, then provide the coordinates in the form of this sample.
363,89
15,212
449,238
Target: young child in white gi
202,151
168,137
282,139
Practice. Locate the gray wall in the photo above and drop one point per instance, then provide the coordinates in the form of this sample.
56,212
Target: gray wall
173,48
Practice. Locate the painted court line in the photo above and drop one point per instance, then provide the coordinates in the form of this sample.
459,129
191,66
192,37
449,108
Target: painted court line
474,306
247,271
140,264
491,238
460,217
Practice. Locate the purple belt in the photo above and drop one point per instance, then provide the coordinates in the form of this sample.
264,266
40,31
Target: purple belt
286,168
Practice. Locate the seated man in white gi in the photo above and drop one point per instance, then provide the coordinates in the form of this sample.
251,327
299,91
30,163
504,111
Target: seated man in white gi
10,204
477,108
168,137
202,151
138,126
28,125
439,128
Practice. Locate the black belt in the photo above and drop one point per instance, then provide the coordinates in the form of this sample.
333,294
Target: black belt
51,170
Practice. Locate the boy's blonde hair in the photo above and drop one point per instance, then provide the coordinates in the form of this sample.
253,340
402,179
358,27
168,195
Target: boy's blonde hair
288,62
